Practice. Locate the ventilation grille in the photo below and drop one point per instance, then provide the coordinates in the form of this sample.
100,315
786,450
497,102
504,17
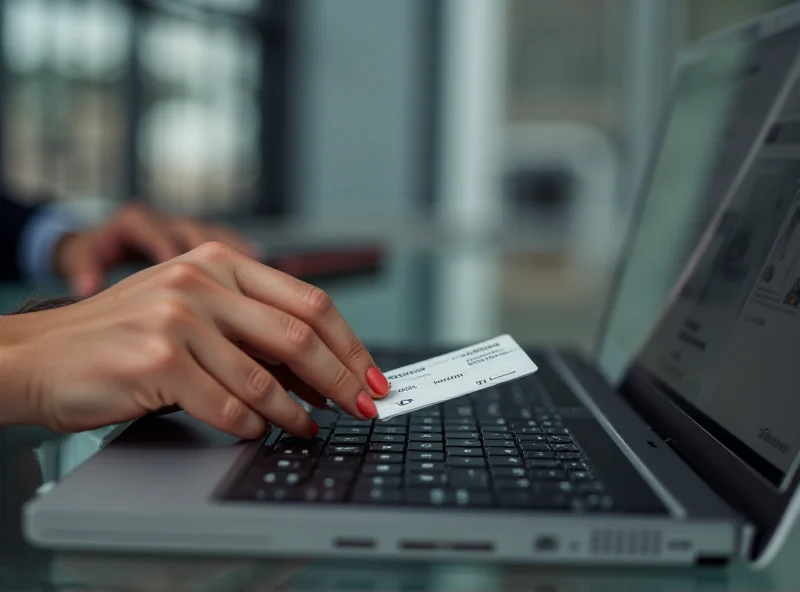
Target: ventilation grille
625,543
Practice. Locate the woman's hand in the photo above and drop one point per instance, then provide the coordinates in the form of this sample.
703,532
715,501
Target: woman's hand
84,258
177,334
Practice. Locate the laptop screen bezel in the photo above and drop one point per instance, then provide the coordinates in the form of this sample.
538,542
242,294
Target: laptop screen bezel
770,509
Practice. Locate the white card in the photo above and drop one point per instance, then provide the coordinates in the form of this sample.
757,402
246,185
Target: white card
452,375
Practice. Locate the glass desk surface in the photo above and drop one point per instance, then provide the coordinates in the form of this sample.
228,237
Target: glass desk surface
397,306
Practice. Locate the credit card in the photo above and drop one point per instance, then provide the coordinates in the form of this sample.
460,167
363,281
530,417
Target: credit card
453,375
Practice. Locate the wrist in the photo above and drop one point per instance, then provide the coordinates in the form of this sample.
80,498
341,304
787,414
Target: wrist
18,401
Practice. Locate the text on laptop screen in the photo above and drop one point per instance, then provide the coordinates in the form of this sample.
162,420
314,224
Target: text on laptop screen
721,97
724,348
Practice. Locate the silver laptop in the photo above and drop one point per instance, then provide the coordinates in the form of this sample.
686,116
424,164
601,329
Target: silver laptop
689,458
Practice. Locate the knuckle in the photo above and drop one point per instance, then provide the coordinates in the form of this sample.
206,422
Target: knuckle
234,414
164,355
215,252
172,313
299,336
355,351
183,275
318,301
261,386
340,379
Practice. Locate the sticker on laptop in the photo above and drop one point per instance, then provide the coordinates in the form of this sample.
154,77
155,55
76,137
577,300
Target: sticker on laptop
453,375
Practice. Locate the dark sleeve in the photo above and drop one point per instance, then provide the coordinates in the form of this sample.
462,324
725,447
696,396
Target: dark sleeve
13,218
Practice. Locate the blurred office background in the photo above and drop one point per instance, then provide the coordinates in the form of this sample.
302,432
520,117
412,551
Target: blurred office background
477,121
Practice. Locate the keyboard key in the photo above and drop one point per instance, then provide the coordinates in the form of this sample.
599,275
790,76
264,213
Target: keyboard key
277,493
377,495
381,447
543,463
426,446
401,420
519,425
284,464
532,438
469,478
472,498
463,435
492,451
330,482
556,431
427,429
563,448
531,446
548,474
528,431
314,493
555,439
538,455
280,478
575,465
348,431
382,481
344,450
289,440
466,461
569,456
390,438
462,442
339,439
339,461
553,487
459,431
425,437
431,421
426,479
425,466
384,457
580,475
499,443
292,452
505,461
382,469
460,422
382,429
429,497
508,472
497,435
589,487
520,483
419,455
497,422
459,451
352,422
344,475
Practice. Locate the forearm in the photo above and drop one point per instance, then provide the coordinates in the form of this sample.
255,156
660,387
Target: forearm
16,375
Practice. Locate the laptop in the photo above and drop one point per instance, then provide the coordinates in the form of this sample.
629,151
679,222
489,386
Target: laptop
688,458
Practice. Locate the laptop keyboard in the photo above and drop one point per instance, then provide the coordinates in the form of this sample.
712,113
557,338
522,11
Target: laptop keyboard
504,447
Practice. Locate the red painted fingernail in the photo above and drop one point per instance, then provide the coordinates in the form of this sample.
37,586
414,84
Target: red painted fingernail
366,405
377,381
314,429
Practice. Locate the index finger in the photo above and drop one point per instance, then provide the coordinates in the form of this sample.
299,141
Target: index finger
314,307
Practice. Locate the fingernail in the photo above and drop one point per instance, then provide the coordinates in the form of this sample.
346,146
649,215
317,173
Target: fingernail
314,429
377,381
366,405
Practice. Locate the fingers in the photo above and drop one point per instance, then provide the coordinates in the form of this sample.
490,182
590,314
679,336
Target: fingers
139,229
315,308
293,384
249,382
204,398
84,271
276,334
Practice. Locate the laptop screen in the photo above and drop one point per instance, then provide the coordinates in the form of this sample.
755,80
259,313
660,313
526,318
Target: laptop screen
723,349
722,92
